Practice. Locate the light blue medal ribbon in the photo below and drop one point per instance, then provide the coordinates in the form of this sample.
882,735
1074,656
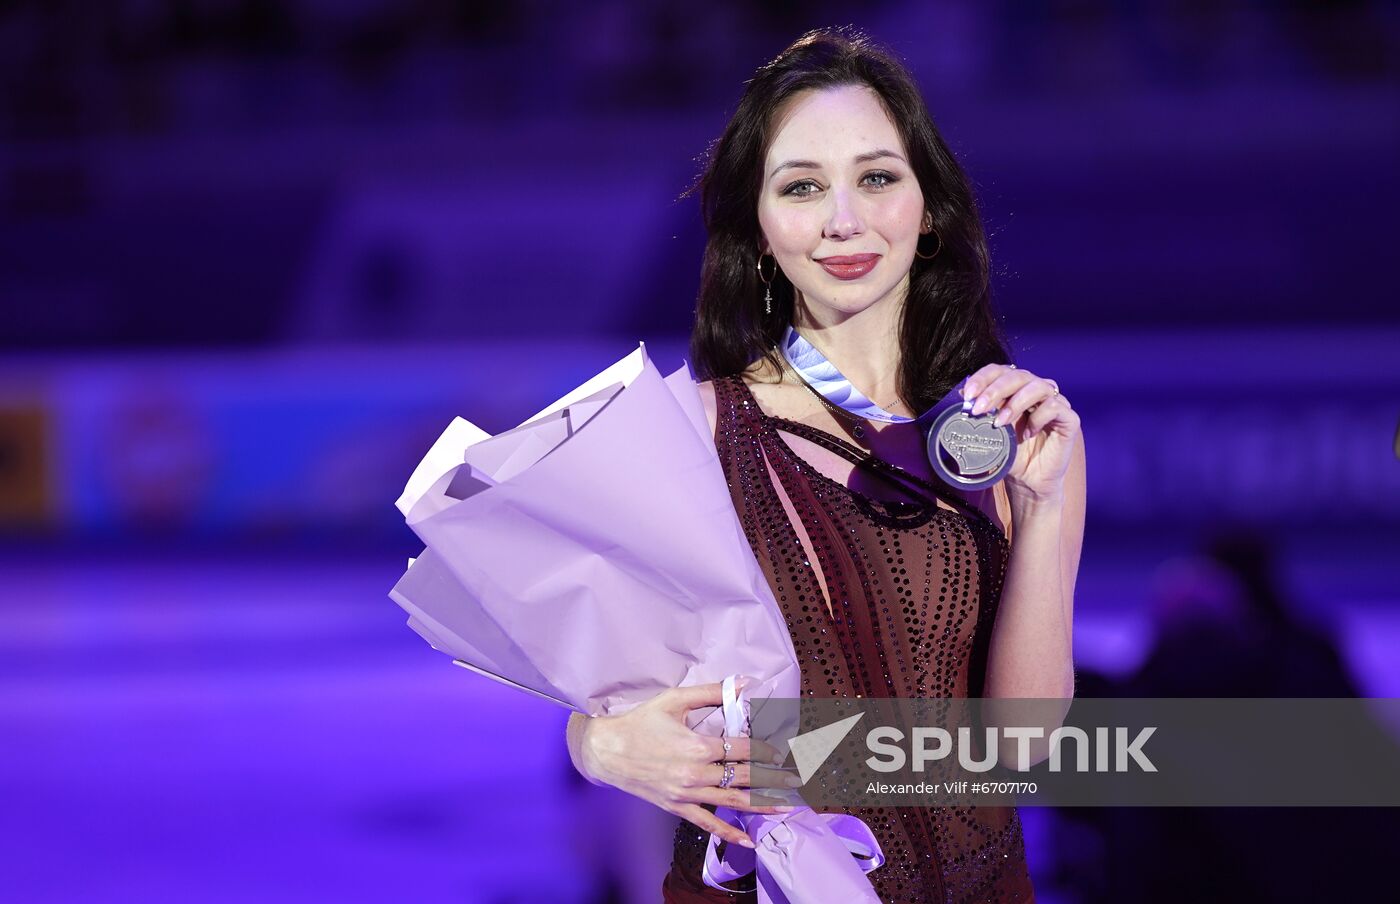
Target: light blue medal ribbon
812,366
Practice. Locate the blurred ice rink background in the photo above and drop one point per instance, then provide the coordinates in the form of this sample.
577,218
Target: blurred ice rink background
254,256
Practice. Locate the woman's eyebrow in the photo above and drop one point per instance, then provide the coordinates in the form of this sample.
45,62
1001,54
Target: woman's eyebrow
859,158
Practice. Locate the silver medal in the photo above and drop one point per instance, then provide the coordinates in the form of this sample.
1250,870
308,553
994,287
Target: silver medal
968,451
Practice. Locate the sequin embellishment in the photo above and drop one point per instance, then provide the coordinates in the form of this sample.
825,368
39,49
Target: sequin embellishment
912,589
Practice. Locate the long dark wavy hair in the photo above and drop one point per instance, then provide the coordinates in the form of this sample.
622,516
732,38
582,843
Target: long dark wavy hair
948,328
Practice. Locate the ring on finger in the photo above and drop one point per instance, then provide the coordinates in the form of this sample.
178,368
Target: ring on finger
728,775
1053,385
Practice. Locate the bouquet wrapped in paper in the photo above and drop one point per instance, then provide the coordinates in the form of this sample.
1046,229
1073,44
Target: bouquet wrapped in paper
592,557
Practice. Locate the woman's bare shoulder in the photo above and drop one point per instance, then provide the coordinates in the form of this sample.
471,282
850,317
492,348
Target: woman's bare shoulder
761,378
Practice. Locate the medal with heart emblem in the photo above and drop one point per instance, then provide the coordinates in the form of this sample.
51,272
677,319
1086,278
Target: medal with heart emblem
969,451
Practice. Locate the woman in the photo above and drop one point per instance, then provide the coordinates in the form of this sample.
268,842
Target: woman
834,207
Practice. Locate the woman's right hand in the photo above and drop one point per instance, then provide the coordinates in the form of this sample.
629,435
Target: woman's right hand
649,752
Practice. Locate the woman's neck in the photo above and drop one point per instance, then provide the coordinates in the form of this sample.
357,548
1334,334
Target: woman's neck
864,346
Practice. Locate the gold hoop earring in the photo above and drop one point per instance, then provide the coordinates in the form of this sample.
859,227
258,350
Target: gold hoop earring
767,283
929,257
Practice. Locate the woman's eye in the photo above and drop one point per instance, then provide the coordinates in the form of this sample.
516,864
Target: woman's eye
795,189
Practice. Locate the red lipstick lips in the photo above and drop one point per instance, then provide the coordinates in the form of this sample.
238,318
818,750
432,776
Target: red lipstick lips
849,266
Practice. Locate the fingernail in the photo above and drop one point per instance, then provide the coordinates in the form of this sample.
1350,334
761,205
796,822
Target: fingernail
970,390
784,809
747,842
792,781
979,406
1002,417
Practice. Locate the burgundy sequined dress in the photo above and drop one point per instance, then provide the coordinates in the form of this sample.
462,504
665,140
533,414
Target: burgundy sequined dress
914,587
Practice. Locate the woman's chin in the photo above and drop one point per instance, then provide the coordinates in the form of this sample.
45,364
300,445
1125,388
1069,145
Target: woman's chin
843,305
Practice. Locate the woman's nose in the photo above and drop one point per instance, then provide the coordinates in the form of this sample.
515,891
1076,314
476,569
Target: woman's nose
844,221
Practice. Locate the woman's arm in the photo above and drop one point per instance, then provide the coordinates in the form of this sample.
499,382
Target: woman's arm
1032,642
1031,653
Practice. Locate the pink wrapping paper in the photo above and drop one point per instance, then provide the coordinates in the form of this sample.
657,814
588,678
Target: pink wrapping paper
592,557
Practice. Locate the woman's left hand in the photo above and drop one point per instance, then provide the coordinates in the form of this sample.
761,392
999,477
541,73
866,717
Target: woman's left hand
1046,427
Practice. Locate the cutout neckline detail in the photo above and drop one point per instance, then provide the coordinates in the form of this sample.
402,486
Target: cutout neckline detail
923,503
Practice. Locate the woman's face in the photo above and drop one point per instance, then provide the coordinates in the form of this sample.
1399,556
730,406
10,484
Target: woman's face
837,186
